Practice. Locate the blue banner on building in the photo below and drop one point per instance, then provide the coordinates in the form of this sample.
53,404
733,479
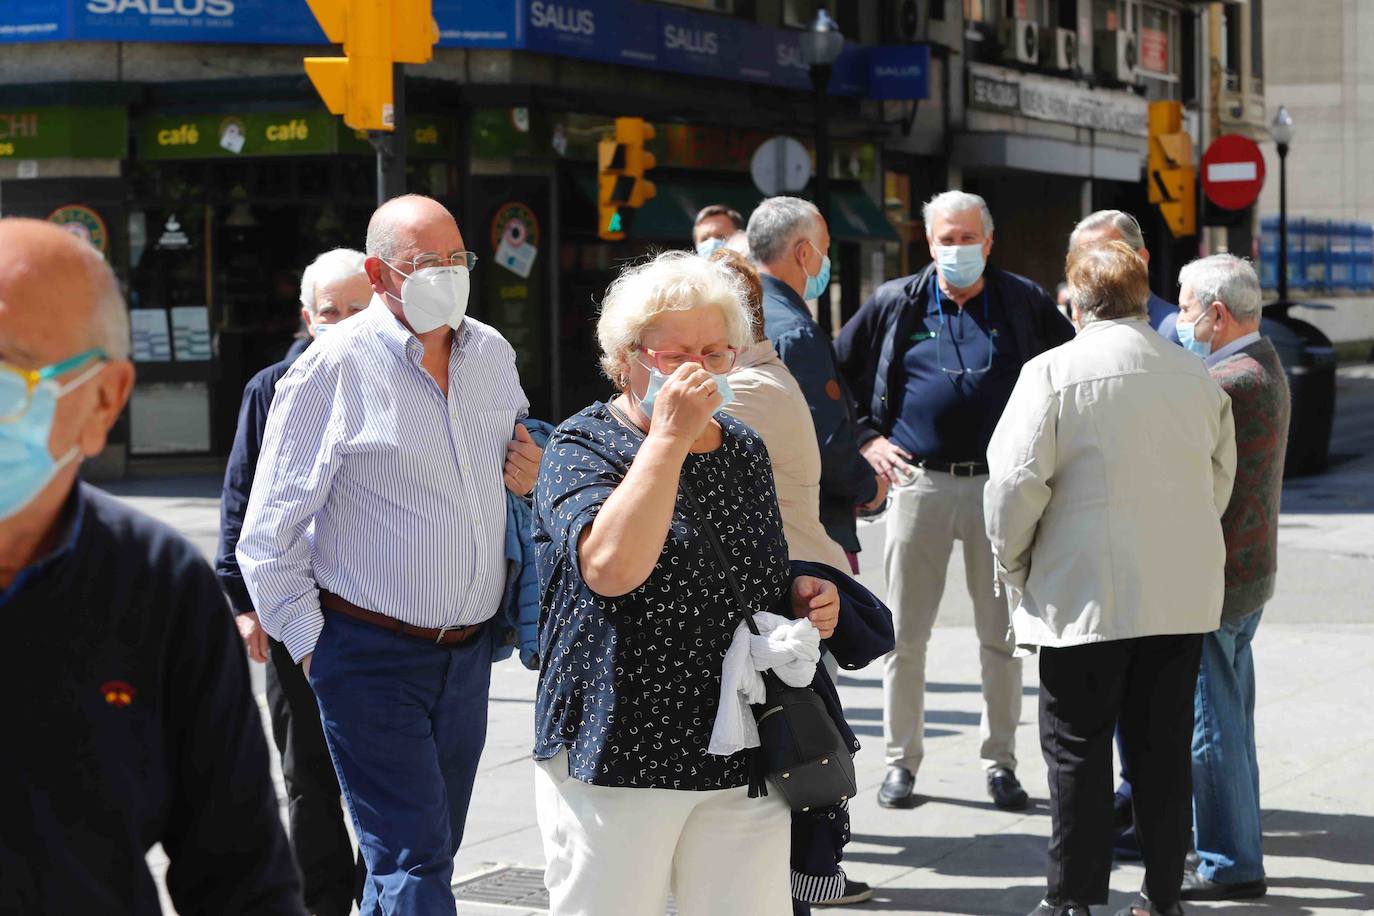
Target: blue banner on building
899,72
611,31
462,23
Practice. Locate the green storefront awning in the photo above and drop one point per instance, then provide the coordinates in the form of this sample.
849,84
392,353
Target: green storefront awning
669,214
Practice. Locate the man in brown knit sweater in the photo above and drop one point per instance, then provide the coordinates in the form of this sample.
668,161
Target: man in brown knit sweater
1220,320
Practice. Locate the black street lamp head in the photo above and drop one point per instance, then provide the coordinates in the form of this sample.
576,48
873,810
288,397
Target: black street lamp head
822,43
1281,128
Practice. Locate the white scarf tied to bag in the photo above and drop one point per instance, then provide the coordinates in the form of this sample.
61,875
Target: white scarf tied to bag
790,647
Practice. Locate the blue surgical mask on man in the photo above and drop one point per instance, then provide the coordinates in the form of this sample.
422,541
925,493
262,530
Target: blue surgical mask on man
708,247
657,379
26,465
817,284
1187,337
960,265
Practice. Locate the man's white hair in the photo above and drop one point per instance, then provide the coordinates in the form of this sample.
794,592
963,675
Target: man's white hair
330,267
1227,279
674,281
1124,224
949,203
779,223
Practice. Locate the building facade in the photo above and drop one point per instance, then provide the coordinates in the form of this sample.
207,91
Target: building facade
185,140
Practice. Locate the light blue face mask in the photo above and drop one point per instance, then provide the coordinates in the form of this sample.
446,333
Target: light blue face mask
26,465
709,247
817,284
656,380
1190,343
960,265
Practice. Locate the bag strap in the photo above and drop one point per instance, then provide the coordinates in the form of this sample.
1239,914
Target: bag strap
741,605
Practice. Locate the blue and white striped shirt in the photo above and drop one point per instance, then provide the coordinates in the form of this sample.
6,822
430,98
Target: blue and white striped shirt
374,486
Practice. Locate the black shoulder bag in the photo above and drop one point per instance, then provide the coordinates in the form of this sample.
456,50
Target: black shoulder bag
801,751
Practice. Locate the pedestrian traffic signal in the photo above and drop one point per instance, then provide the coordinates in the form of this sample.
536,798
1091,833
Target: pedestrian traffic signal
375,34
621,184
1171,177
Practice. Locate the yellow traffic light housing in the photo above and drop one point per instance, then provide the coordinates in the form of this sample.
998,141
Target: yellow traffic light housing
375,34
622,162
1171,176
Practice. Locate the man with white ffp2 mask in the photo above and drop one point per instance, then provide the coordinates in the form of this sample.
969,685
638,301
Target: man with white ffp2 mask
932,359
393,436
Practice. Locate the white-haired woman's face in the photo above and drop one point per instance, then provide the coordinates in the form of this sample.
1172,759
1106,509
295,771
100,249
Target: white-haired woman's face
695,333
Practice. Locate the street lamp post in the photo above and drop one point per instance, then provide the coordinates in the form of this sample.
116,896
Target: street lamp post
1282,131
820,48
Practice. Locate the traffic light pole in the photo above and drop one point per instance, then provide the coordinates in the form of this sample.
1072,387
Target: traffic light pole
391,147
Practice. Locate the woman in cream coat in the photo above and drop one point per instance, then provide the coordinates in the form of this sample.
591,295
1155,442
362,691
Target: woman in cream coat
1110,470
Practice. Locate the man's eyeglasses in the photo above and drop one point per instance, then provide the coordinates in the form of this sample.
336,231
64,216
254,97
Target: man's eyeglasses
669,361
18,385
425,261
959,370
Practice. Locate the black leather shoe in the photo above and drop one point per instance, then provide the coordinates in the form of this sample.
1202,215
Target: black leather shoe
1143,904
898,789
1196,887
1069,909
1005,790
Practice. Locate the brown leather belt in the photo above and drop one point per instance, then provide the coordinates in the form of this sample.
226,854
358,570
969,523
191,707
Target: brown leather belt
443,636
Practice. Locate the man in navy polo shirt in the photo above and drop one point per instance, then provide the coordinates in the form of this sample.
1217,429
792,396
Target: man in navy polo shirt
932,359
130,721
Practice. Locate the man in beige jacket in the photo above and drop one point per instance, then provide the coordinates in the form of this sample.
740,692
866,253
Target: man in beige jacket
1109,472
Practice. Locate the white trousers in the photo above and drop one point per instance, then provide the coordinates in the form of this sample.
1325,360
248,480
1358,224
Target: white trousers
618,852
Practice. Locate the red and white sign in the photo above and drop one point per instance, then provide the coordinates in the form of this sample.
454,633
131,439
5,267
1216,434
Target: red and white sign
1232,172
1154,50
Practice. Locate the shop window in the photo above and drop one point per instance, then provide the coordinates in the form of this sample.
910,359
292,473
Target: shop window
1257,39
1158,41
1231,47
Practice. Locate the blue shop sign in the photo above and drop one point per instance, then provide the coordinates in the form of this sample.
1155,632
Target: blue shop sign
624,32
899,72
462,23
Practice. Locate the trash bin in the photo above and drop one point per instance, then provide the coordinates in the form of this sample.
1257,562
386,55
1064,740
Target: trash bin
1309,361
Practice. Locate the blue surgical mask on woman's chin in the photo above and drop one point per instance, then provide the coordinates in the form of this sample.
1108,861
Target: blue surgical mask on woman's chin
960,265
657,380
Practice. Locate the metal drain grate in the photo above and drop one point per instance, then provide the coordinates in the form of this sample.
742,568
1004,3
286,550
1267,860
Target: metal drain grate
506,886
513,886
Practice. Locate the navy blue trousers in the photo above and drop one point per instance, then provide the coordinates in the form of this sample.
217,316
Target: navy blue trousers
405,722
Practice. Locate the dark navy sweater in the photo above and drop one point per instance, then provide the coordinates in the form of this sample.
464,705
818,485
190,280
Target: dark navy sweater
131,722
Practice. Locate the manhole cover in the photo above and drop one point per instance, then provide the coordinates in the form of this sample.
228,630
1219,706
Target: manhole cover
512,886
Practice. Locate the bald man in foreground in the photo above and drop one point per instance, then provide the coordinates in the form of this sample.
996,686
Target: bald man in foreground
374,544
129,718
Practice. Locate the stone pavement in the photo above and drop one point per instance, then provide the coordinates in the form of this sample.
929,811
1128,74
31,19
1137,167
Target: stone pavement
957,854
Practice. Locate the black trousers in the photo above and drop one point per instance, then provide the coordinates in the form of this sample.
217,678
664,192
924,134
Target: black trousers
330,874
1146,686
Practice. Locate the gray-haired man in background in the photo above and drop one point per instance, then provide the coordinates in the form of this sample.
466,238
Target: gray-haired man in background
1120,226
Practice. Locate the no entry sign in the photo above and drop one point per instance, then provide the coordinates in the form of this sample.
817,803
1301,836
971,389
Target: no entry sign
1232,172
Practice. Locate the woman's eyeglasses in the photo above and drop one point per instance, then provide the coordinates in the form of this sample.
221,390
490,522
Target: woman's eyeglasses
716,363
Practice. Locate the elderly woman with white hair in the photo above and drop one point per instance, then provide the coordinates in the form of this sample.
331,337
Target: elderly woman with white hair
638,614
1110,469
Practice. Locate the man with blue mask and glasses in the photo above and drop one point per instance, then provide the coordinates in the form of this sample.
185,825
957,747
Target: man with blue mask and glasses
137,723
788,240
932,359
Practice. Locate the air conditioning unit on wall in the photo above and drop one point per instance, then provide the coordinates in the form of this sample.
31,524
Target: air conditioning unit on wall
1115,55
1020,40
907,21
1059,48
